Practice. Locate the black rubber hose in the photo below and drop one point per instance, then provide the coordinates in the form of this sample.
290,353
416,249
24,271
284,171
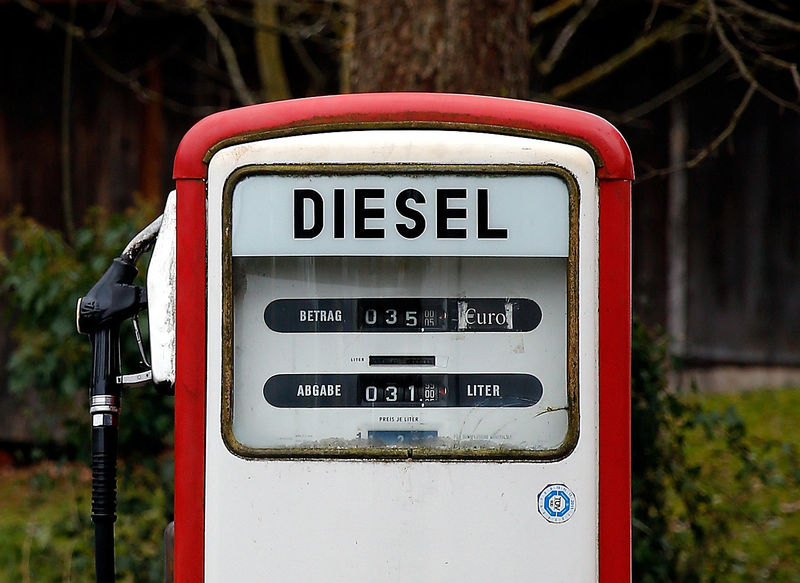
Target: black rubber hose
104,500
105,417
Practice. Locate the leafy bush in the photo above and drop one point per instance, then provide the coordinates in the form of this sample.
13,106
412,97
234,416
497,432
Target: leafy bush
46,532
41,278
656,454
49,536
687,506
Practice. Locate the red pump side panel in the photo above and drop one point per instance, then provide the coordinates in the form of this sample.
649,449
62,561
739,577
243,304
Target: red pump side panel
190,381
615,381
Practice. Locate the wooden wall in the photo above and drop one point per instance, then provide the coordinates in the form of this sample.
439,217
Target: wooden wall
743,213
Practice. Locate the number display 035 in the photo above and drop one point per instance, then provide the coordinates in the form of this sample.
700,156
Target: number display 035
403,315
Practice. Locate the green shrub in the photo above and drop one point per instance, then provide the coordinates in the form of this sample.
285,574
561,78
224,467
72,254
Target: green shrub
46,533
41,278
687,505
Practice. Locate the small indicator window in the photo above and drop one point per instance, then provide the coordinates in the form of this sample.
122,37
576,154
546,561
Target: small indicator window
402,361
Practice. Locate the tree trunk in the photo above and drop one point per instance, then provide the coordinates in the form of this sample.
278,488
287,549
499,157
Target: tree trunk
271,70
443,46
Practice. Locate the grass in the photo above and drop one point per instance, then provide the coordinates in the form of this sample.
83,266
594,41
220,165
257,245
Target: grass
46,534
763,509
43,530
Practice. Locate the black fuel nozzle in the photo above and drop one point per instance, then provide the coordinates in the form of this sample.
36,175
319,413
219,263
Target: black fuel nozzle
111,301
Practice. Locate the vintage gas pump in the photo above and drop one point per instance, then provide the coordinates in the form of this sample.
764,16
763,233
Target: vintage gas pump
401,342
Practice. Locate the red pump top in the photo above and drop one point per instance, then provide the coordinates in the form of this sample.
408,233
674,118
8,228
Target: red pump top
412,110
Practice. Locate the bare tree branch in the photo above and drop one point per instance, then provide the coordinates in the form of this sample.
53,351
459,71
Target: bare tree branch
738,59
102,26
674,91
714,144
566,34
287,29
790,67
766,16
725,134
551,11
747,28
243,92
129,80
654,6
69,27
795,78
294,27
667,31
307,62
143,93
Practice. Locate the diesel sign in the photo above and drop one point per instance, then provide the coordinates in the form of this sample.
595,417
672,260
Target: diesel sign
425,214
451,219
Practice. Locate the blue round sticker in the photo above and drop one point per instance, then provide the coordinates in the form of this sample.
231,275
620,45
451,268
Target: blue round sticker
556,503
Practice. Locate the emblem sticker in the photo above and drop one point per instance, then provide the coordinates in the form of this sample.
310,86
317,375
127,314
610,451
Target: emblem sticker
556,503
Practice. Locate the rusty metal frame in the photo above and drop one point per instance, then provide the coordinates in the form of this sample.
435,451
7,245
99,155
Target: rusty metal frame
416,453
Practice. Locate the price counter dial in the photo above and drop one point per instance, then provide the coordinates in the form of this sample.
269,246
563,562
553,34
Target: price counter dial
403,315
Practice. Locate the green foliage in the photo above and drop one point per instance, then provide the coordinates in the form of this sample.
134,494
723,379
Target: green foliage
41,278
697,475
655,455
752,469
46,533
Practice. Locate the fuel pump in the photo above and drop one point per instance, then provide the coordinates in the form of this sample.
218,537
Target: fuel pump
398,330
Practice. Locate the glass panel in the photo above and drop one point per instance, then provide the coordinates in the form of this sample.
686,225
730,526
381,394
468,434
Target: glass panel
417,353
